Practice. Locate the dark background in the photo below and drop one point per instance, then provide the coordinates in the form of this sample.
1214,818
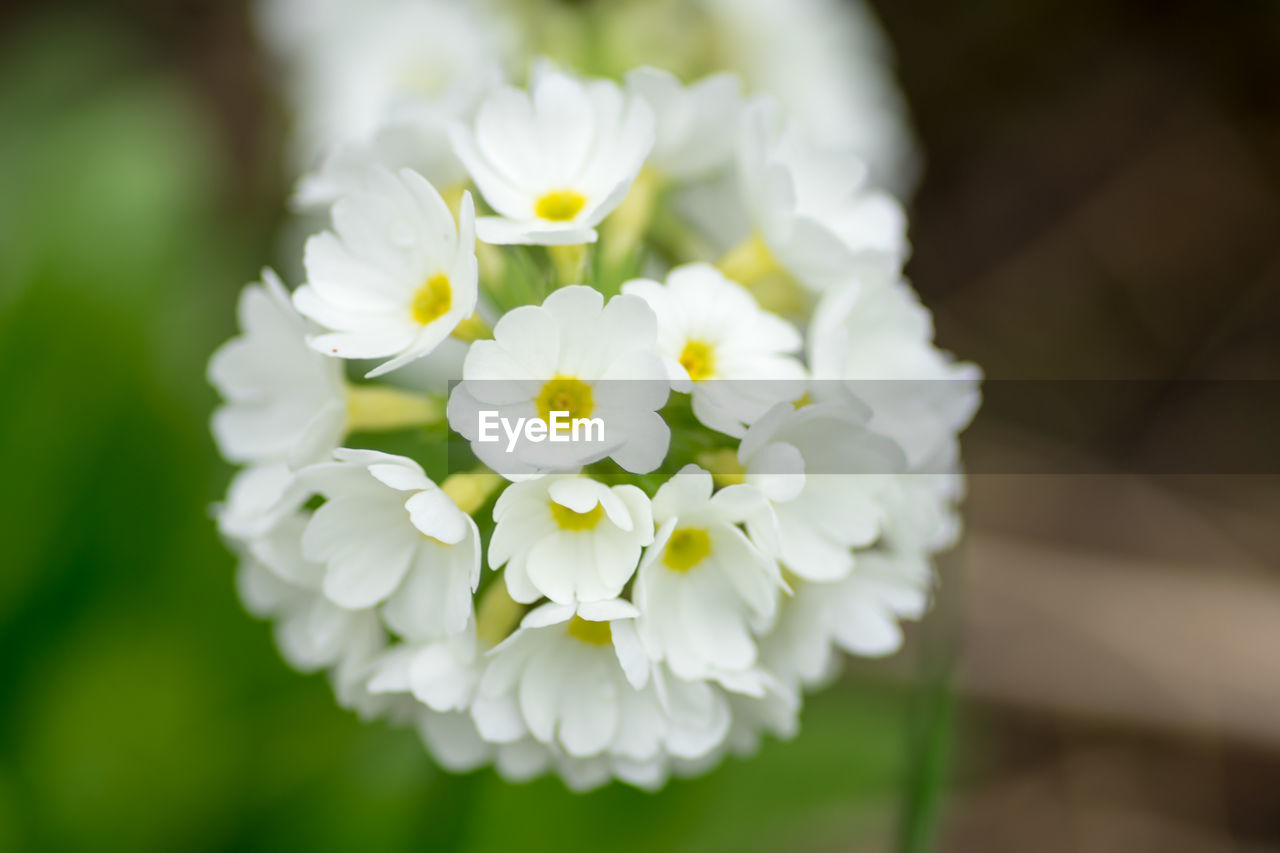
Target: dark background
1101,200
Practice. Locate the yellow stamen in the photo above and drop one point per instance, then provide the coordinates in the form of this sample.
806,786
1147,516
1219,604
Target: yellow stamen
565,394
686,548
595,633
570,520
432,300
560,205
699,359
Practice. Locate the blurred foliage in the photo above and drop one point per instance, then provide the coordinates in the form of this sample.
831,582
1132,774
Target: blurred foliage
144,710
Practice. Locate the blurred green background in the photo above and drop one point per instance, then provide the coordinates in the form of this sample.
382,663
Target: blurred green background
1097,171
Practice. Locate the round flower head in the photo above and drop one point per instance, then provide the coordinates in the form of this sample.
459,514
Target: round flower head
703,587
811,209
555,161
721,346
576,355
397,276
644,626
569,538
284,401
386,533
690,121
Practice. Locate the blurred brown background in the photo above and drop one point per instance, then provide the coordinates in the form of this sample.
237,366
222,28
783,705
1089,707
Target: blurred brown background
1101,201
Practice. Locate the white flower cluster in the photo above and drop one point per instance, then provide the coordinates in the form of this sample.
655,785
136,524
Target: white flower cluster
781,460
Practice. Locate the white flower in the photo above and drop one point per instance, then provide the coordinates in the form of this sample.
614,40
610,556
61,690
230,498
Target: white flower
875,337
830,65
825,474
812,207
577,680
361,65
721,346
440,670
691,121
386,533
569,538
703,587
258,497
396,278
695,721
573,354
920,506
858,614
555,161
284,401
419,140
276,581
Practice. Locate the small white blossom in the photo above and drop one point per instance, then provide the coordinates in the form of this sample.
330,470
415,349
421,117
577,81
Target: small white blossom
555,161
578,680
397,276
813,208
439,669
858,614
691,121
387,534
284,402
876,339
419,141
703,587
573,354
275,581
569,538
829,64
721,346
825,474
355,67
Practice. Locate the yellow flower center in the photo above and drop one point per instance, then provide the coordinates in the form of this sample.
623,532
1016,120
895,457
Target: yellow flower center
595,633
560,205
699,359
565,394
686,548
432,300
571,520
